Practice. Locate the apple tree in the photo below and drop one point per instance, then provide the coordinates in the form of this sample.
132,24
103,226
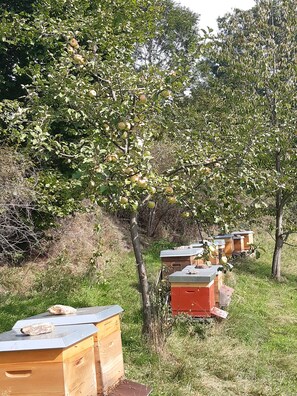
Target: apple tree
89,116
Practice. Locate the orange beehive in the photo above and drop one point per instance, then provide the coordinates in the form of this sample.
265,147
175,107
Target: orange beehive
56,364
248,238
214,258
107,340
229,243
193,293
238,244
218,280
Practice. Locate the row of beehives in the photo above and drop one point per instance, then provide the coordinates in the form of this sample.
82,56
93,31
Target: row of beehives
197,289
81,356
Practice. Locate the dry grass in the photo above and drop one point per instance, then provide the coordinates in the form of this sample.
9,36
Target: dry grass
78,241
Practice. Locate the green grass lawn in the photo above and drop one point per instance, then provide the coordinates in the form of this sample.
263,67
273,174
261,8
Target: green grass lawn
253,352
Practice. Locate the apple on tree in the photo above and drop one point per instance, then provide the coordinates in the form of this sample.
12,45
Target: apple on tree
74,43
124,200
151,204
169,190
172,200
142,98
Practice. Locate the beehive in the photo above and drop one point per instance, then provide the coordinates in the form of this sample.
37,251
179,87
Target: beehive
107,339
229,243
248,238
176,260
218,280
220,243
193,293
214,259
56,364
238,241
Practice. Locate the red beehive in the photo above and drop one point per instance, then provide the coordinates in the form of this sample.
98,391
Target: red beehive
193,292
218,280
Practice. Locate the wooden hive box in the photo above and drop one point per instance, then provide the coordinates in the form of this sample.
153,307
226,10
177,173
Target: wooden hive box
53,364
193,293
176,259
218,283
108,343
238,244
218,280
215,257
229,243
220,243
248,238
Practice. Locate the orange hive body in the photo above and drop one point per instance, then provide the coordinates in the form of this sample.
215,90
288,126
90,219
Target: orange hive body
214,259
229,243
193,293
238,243
248,238
50,371
107,340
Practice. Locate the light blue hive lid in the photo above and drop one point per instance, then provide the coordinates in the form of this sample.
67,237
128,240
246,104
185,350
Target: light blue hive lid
223,236
191,268
242,232
181,252
198,275
61,337
82,316
219,242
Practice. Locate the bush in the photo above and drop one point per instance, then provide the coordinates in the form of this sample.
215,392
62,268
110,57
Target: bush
17,231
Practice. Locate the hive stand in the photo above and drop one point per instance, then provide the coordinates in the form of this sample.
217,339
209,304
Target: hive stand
54,364
130,388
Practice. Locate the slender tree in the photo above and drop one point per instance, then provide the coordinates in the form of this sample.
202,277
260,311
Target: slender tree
250,76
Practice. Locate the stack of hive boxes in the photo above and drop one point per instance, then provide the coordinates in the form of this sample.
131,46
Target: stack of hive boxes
82,356
196,290
58,363
192,291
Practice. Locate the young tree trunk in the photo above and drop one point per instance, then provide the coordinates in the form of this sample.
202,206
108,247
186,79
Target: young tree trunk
142,277
276,261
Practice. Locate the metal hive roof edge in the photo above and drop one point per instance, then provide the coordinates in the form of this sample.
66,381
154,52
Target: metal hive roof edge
62,337
82,316
181,252
197,276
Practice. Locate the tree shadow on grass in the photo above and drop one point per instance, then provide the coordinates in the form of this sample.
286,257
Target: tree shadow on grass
261,270
253,267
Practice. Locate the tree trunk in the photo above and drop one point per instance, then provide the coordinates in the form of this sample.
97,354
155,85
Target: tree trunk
142,278
276,261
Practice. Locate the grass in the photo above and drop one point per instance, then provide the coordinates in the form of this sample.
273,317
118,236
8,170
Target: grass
253,352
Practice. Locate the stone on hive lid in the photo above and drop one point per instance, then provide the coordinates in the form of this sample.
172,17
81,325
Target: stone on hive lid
194,276
61,337
82,316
